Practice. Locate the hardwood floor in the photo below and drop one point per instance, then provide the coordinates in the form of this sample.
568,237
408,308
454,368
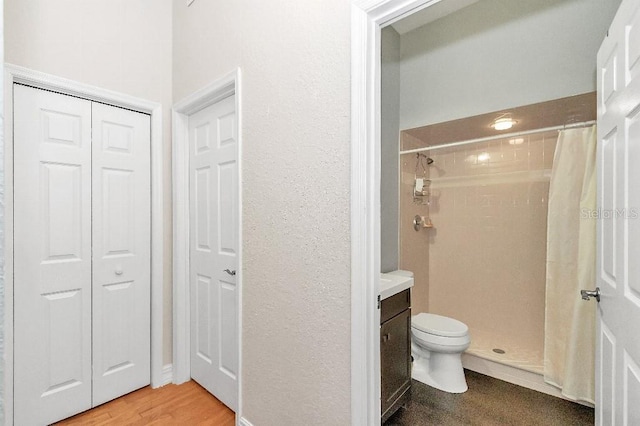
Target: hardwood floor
186,404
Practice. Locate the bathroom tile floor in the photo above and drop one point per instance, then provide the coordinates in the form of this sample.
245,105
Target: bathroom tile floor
488,402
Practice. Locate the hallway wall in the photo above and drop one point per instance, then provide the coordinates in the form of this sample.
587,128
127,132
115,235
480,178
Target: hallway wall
295,60
2,215
295,103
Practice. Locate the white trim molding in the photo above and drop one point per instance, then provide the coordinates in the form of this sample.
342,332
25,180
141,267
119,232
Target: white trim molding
209,95
244,422
167,374
368,17
18,75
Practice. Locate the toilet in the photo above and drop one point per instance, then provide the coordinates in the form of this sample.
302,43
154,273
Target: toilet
437,343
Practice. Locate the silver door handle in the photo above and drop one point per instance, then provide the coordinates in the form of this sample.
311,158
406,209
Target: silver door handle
587,294
232,273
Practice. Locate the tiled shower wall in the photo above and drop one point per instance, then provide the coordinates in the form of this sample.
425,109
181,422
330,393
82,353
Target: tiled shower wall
483,262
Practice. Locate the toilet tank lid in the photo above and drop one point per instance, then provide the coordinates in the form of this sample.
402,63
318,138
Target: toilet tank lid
439,325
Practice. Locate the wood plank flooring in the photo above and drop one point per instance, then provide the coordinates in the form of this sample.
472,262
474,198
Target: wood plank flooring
186,404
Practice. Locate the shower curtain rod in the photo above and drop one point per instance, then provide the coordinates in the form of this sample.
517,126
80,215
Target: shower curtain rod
502,136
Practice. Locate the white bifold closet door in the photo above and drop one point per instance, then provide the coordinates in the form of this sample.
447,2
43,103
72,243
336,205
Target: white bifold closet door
81,254
121,251
52,256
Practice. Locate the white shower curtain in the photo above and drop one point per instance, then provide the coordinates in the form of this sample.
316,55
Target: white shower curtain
569,346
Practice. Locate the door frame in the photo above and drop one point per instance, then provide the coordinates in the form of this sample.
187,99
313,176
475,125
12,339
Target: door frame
16,74
368,17
222,88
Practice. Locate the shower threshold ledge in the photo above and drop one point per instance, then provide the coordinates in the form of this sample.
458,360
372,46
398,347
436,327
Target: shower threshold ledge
531,364
501,349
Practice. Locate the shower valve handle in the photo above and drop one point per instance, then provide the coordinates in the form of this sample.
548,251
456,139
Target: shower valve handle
587,294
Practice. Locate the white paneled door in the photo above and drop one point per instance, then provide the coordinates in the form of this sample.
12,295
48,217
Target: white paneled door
213,236
81,254
52,260
618,340
121,251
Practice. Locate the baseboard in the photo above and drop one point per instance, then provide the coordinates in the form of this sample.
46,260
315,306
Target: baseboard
244,422
517,376
167,375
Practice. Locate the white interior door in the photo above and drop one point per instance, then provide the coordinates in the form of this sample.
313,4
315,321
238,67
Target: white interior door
213,236
618,340
121,251
82,238
52,256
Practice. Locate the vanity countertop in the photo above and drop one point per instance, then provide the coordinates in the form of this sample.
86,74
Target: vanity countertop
392,283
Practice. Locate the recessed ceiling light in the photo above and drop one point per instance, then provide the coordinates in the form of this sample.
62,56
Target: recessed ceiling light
503,123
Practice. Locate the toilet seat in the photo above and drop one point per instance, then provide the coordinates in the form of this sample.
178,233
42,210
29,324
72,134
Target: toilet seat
439,325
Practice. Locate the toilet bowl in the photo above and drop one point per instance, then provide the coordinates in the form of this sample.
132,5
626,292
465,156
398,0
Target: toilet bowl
437,343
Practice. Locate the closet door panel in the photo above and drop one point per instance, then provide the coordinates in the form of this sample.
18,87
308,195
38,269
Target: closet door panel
121,250
52,256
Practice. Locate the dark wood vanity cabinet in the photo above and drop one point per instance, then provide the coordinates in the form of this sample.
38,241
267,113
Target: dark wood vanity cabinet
395,352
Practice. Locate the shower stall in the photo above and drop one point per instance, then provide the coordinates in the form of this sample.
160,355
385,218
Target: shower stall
482,259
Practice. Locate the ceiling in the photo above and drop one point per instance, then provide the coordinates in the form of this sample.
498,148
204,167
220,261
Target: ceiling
573,109
429,14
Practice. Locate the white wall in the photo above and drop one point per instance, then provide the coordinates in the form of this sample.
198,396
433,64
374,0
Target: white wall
295,60
120,45
2,203
498,54
390,173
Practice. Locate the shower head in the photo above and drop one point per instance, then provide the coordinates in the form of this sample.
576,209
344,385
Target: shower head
420,160
429,159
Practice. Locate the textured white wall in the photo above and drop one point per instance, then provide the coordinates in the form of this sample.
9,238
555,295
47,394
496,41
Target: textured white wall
120,45
390,173
2,204
498,54
296,83
295,60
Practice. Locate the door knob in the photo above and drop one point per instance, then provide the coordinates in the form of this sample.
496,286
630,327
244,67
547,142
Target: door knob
232,273
587,294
